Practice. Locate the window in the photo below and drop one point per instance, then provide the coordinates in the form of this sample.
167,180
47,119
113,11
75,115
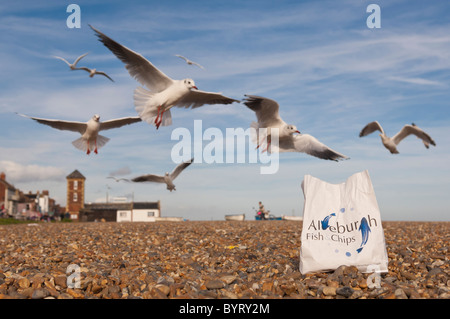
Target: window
150,214
123,214
75,197
75,185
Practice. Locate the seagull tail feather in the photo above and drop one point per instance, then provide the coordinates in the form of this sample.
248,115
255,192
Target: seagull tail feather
143,106
101,140
167,118
80,143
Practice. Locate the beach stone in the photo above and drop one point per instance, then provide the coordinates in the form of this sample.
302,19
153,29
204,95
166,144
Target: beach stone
332,283
40,293
157,294
344,291
229,294
24,283
164,289
400,294
408,275
434,271
267,286
357,294
74,293
329,291
214,284
229,279
288,289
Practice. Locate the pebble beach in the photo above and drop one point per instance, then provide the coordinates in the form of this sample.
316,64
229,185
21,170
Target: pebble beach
208,260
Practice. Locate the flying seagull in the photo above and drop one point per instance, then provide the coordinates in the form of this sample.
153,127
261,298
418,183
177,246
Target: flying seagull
90,139
153,104
267,114
391,142
167,178
118,179
189,61
72,66
93,72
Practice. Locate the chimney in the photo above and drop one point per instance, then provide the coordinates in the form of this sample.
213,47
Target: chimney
2,176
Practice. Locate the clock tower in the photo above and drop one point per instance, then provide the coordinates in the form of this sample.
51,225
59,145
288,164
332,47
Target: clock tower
75,194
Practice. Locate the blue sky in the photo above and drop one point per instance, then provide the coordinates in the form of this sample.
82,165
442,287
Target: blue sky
329,72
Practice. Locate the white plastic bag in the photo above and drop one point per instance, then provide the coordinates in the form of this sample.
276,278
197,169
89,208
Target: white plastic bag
341,226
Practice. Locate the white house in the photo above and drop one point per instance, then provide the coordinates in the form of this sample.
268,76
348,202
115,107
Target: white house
139,212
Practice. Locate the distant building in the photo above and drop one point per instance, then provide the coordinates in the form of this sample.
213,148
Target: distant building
121,212
9,198
75,194
15,203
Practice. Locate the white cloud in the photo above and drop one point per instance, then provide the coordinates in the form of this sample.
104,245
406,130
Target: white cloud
18,173
418,81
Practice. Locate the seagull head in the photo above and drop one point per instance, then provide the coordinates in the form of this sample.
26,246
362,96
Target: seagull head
96,117
292,129
190,84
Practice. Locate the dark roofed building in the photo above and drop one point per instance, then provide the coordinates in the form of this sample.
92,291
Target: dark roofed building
121,212
75,175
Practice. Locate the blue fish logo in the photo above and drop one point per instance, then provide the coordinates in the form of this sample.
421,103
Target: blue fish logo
326,220
365,230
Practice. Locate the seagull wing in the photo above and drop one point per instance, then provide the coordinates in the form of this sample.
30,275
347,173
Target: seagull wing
62,59
78,59
197,98
180,168
79,127
104,74
195,63
308,144
370,128
182,57
85,69
106,125
266,110
412,129
149,178
138,66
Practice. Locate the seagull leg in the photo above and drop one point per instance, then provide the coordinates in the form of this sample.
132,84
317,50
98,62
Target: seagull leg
95,151
157,117
160,119
259,143
268,143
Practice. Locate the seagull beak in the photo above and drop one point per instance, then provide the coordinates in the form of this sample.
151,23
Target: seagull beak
194,87
298,132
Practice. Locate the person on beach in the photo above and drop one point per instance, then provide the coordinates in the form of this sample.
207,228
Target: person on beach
262,211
